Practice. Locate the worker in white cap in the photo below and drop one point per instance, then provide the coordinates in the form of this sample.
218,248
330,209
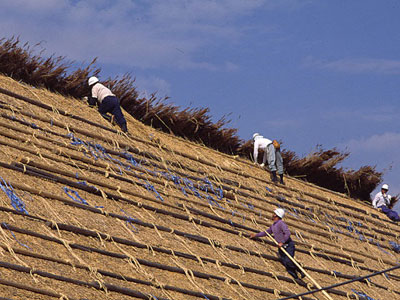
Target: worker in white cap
107,101
272,151
281,233
383,200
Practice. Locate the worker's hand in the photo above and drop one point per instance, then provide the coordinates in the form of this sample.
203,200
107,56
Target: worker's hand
252,235
262,165
86,99
280,245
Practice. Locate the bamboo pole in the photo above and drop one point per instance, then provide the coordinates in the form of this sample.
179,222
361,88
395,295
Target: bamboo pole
299,266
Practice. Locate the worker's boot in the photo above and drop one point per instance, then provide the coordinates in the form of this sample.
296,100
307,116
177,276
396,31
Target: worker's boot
281,181
274,178
124,128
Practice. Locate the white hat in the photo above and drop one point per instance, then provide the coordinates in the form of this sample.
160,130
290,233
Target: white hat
255,135
385,187
92,80
279,212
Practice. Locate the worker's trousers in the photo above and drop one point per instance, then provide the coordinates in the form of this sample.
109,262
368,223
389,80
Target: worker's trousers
392,215
111,105
275,161
291,268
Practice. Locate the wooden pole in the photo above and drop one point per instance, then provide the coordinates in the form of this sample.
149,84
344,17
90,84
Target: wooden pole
300,267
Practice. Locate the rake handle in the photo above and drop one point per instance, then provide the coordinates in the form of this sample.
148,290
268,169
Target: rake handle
300,267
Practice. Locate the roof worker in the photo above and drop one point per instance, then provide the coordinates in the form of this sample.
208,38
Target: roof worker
382,201
272,151
108,102
281,233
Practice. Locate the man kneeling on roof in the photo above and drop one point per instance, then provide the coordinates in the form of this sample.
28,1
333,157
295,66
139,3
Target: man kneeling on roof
272,151
281,234
383,201
108,102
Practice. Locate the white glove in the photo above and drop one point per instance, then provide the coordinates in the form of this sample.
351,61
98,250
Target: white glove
262,165
85,99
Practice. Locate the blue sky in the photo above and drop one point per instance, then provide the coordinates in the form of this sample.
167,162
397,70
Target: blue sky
307,72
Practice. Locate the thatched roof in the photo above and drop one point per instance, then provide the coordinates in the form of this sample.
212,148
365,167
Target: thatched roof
90,213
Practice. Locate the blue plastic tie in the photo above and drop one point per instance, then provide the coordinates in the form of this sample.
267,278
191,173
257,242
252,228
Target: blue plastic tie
129,222
16,202
361,294
77,198
395,246
12,233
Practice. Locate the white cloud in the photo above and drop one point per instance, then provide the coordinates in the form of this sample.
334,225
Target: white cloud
356,65
379,115
386,142
129,33
149,85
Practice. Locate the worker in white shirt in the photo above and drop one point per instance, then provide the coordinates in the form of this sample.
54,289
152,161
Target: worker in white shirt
107,101
382,200
272,152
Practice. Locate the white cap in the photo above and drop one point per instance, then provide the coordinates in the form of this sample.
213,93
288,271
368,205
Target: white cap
255,135
385,187
92,80
279,212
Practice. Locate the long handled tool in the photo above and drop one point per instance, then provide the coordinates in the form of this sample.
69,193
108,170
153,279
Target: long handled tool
300,267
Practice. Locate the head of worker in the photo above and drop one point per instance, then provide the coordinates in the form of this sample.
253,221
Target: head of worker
92,81
256,136
278,214
385,188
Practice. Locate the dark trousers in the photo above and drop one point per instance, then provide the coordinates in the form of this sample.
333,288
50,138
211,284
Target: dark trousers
111,105
392,215
291,268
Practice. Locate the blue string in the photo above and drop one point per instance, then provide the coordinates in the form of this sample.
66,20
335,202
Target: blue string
16,202
337,273
12,233
395,246
361,294
268,189
129,222
205,296
151,188
77,198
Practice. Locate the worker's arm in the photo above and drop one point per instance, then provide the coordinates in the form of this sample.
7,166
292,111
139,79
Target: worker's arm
375,201
92,101
261,233
255,152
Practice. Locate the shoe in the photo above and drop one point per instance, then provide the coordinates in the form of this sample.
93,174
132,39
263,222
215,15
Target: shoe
124,128
281,181
274,178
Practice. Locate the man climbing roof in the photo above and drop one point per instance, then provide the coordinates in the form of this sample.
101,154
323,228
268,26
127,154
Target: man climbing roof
272,152
108,102
383,200
281,233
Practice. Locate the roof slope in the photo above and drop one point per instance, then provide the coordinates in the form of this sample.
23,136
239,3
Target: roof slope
88,213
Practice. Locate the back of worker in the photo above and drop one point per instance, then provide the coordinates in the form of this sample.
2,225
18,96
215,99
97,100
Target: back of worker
100,92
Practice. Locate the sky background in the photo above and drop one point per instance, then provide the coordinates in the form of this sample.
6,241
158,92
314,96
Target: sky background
306,72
